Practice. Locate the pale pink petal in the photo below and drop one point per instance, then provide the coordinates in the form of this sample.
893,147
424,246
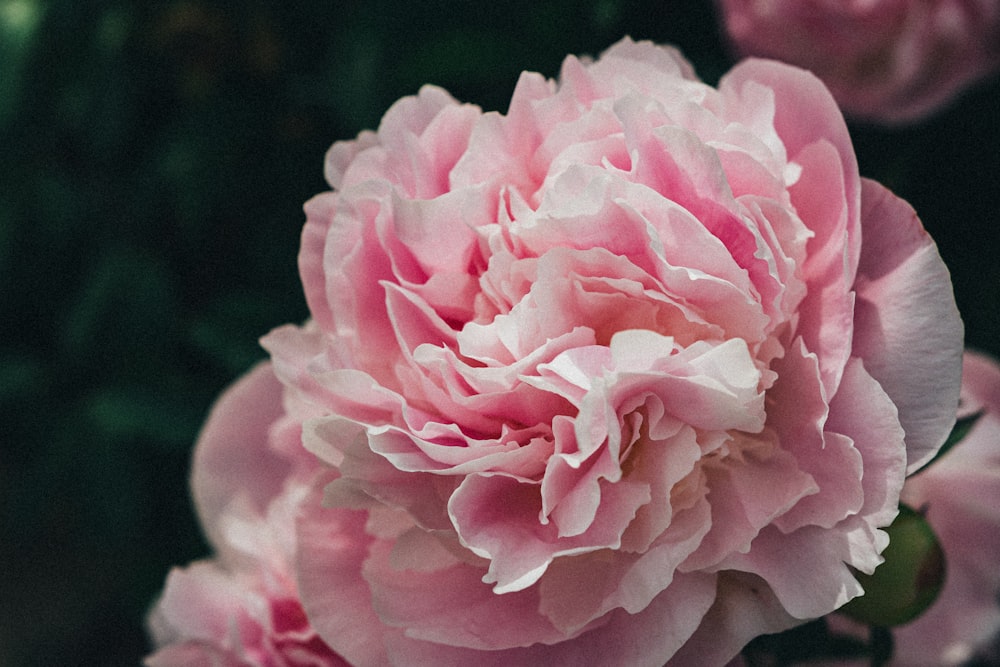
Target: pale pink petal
907,328
200,603
746,496
744,608
830,458
630,582
233,456
497,518
827,310
333,545
645,639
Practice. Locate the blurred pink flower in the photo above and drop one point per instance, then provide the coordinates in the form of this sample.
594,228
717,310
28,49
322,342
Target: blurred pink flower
960,494
628,375
883,60
241,608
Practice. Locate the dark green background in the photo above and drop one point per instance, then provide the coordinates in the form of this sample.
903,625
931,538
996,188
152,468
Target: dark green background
154,158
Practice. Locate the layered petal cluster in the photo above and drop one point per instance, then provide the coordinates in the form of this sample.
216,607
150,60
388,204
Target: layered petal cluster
241,607
631,373
884,60
959,495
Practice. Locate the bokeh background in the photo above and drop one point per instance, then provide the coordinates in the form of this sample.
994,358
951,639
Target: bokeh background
154,157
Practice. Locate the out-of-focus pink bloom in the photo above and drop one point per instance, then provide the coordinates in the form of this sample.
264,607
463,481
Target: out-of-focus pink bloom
629,375
883,60
960,494
241,608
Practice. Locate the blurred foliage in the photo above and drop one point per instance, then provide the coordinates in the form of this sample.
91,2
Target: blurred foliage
155,159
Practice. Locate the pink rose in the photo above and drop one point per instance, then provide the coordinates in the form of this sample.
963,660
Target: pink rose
883,60
241,608
629,375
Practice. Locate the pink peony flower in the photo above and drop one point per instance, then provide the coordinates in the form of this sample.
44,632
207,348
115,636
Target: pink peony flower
628,375
884,60
241,608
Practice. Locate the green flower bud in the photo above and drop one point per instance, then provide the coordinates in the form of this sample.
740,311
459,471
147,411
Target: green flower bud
908,581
